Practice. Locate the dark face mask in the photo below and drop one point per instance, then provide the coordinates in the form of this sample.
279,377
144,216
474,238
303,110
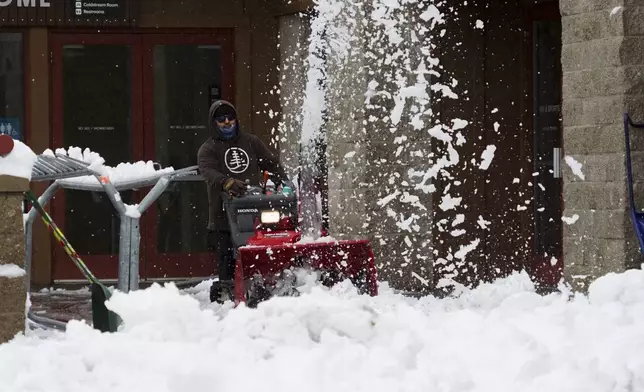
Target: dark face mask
228,132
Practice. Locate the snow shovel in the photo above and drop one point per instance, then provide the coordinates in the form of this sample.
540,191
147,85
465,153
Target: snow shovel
103,319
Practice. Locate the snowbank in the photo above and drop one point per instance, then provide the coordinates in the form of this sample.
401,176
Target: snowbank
500,337
19,162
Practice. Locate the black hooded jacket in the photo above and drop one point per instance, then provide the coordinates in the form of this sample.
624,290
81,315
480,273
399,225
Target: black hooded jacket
243,157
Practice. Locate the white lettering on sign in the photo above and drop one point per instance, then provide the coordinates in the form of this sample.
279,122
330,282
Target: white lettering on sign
26,3
95,8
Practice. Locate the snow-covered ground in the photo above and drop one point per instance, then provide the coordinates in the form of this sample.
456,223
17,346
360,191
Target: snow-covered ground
500,337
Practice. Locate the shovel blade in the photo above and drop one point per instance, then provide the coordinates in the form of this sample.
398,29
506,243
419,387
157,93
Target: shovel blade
103,319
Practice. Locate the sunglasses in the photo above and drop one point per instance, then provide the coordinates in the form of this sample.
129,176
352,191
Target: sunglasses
229,117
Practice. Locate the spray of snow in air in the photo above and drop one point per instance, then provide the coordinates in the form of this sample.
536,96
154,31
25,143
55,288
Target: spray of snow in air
327,38
570,220
575,167
384,50
487,156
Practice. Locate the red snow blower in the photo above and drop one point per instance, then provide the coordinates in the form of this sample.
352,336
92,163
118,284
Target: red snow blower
264,226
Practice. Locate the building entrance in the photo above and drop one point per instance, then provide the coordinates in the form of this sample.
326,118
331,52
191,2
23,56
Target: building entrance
132,97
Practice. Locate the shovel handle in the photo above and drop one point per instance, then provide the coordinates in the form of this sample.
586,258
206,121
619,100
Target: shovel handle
60,237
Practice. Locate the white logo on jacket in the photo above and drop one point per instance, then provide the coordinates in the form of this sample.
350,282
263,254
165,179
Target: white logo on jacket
236,160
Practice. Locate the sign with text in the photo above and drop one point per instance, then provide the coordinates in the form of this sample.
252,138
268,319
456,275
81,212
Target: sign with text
26,3
10,126
110,9
89,13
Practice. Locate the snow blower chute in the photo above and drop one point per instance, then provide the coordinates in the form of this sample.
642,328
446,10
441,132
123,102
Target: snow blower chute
264,225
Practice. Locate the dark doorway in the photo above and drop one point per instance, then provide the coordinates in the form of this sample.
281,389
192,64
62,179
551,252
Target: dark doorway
545,96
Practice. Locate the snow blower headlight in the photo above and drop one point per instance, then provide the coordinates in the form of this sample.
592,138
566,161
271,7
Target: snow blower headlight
270,217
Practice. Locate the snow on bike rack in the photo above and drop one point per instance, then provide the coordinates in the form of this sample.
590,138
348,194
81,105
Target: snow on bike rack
86,172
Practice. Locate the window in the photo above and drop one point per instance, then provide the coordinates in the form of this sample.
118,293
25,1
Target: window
12,88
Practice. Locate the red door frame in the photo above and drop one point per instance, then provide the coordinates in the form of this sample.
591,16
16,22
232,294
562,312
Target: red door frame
545,273
103,266
174,264
141,41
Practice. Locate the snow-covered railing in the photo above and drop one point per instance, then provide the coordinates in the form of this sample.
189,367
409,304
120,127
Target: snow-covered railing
85,171
47,168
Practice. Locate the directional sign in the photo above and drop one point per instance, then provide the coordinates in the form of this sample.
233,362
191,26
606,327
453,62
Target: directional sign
11,126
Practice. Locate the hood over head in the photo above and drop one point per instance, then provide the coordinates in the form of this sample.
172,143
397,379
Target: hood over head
219,108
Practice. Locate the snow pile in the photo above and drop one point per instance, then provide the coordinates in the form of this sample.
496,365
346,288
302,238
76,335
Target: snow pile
500,337
123,172
19,162
85,155
11,271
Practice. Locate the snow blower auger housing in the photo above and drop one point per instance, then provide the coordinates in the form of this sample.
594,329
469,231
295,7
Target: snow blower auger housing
265,233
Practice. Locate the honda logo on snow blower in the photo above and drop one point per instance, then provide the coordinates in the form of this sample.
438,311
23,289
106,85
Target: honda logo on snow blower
26,3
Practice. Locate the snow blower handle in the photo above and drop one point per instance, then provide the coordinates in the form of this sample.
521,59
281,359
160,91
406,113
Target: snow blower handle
265,184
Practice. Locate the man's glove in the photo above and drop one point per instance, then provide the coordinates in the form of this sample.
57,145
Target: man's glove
234,187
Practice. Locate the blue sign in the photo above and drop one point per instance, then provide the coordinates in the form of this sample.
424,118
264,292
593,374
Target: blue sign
10,126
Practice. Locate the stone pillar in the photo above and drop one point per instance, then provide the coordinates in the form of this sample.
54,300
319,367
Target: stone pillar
376,165
13,293
602,62
294,31
346,136
373,165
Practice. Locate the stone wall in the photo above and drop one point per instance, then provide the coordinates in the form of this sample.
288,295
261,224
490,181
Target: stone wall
294,32
371,189
13,294
602,61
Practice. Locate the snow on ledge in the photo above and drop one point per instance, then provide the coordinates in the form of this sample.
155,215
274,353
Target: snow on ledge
123,172
11,271
19,162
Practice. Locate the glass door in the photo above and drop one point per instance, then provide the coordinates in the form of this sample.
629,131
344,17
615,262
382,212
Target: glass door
96,102
183,74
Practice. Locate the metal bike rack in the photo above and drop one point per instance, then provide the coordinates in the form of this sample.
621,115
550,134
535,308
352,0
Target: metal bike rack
65,172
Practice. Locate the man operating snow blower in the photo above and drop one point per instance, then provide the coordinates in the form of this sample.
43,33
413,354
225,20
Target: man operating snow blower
229,161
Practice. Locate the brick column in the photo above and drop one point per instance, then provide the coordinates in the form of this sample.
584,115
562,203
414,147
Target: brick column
13,293
373,172
602,60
